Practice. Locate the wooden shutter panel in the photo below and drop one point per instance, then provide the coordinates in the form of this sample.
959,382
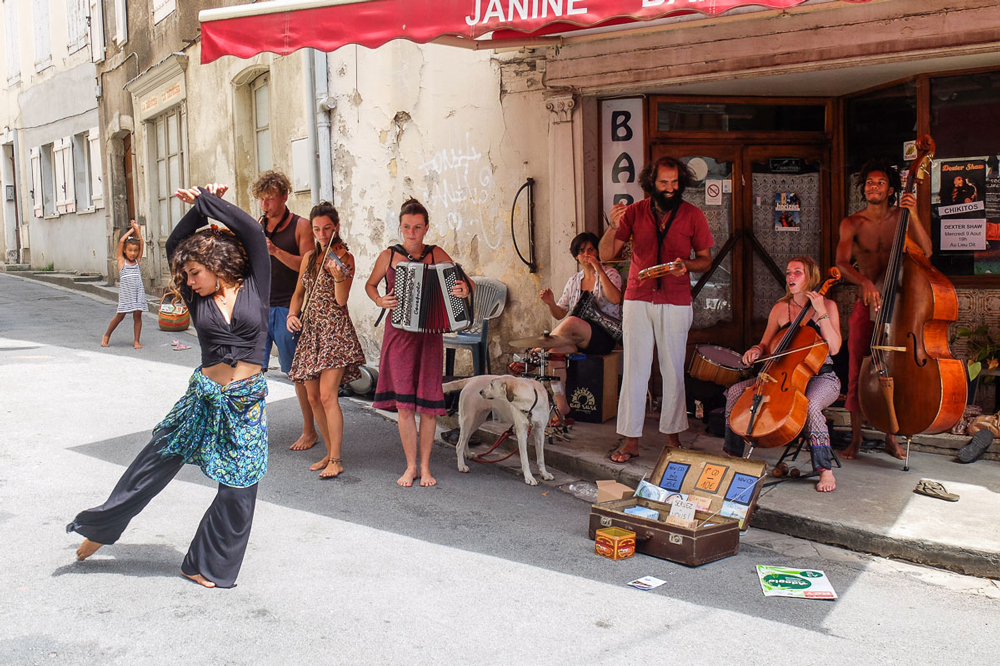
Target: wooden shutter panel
36,181
96,170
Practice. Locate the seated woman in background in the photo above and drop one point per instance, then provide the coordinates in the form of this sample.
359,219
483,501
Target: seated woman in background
600,283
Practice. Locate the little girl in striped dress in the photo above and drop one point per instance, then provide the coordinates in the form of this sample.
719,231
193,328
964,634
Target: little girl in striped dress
131,294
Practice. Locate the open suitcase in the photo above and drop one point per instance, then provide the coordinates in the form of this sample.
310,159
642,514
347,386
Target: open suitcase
729,486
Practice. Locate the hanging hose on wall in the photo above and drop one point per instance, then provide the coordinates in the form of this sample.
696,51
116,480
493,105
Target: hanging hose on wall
530,261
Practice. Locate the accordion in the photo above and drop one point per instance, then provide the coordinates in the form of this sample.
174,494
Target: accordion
425,301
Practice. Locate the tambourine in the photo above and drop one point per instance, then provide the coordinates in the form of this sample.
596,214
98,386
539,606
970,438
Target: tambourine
659,270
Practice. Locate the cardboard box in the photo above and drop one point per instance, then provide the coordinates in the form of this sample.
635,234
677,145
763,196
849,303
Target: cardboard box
731,485
614,543
609,490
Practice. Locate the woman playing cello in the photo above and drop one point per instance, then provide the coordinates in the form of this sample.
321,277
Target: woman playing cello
802,277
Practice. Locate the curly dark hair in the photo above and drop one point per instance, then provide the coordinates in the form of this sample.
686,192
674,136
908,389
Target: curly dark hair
413,207
580,239
216,249
647,177
885,166
323,208
132,240
271,181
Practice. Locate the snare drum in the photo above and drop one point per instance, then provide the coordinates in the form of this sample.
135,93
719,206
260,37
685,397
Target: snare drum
719,365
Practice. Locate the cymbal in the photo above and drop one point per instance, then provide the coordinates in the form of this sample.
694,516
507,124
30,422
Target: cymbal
543,341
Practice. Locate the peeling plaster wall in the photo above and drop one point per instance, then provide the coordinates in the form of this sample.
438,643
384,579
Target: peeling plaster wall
431,122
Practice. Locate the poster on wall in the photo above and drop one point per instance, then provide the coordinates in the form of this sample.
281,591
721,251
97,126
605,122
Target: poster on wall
787,211
967,202
623,143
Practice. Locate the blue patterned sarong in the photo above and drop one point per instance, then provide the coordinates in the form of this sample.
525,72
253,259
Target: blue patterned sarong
222,429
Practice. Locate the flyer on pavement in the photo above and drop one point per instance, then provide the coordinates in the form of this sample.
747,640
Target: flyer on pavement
647,583
798,583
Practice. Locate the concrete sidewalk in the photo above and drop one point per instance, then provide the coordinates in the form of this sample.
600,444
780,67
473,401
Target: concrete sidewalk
873,509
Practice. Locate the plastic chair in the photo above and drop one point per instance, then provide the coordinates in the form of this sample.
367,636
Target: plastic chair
488,301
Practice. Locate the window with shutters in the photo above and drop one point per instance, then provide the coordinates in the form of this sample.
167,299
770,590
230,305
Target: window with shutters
44,190
162,9
43,40
95,28
261,104
76,24
169,145
87,170
121,22
62,173
12,42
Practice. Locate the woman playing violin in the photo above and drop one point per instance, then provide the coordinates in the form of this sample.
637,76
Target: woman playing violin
802,277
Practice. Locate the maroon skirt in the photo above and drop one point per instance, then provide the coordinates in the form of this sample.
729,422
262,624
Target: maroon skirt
410,372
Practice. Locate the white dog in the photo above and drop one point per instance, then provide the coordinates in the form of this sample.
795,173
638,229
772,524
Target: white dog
522,402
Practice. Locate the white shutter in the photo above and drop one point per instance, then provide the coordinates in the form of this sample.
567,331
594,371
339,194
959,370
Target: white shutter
69,175
121,22
96,172
97,30
76,24
59,174
37,196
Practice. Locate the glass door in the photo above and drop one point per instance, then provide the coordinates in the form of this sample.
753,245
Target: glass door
716,293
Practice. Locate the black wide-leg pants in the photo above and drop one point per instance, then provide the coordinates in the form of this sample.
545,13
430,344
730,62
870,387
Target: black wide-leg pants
218,547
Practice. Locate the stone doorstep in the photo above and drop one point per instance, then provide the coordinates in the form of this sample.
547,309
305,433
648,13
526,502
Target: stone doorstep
591,466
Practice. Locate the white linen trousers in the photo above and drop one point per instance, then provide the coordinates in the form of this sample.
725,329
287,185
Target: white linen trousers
667,326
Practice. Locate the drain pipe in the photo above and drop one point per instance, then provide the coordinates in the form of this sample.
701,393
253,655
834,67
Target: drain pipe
309,85
323,104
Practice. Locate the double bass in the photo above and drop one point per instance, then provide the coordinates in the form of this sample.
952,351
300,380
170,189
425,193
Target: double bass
911,383
774,410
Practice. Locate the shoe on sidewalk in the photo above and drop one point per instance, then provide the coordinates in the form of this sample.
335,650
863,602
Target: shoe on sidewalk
976,447
934,489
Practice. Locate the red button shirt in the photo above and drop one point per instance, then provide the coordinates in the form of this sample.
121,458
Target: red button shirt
689,232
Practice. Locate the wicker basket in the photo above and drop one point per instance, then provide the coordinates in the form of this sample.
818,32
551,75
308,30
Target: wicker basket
174,315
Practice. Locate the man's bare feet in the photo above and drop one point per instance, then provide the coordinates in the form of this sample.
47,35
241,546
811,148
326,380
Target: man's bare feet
198,578
106,340
426,480
407,479
826,482
317,466
86,549
893,448
304,442
136,345
332,469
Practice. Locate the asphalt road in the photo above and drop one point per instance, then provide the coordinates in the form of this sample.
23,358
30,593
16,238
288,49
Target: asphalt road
481,569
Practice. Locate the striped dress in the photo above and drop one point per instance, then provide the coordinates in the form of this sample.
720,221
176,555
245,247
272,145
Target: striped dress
131,293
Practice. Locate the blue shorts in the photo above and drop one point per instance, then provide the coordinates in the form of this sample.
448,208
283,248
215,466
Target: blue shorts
278,333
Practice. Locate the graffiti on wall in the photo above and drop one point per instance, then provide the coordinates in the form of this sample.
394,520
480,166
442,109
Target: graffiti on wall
458,183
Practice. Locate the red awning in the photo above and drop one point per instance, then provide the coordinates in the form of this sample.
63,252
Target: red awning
284,26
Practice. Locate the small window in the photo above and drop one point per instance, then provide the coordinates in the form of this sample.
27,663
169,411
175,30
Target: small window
81,172
261,102
48,182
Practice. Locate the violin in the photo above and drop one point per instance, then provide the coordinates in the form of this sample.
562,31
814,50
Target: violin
911,383
773,411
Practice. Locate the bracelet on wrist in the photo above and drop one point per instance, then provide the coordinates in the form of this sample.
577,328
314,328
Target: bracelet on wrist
825,316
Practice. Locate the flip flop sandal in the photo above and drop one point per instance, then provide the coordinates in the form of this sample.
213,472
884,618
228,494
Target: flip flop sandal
934,489
616,450
976,447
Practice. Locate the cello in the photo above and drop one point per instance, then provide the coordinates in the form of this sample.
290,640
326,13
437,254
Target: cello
911,383
774,410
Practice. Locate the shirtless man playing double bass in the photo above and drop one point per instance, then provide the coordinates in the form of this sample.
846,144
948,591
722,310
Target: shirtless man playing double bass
867,237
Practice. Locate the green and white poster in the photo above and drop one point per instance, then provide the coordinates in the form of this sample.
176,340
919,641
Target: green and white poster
798,583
